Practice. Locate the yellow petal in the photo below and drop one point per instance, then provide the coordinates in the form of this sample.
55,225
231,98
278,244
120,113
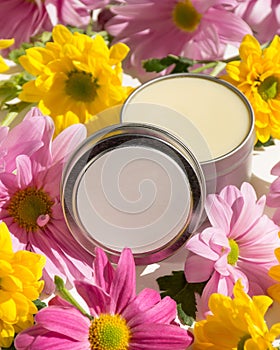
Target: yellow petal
262,302
11,284
61,34
6,334
8,309
3,66
5,239
5,268
274,292
4,43
248,46
118,52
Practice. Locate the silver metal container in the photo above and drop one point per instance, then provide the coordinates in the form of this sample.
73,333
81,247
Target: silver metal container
211,116
136,186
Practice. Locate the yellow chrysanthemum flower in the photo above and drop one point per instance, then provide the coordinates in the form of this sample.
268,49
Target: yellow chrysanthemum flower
4,43
20,284
274,272
236,323
76,76
257,75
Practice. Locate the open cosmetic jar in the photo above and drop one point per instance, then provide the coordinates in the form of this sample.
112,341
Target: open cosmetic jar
209,115
142,182
136,186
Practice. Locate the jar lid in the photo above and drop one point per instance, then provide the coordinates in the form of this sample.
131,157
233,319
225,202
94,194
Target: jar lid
133,185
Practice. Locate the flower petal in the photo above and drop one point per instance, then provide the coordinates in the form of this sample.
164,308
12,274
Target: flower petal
67,321
122,288
198,269
38,337
146,299
71,137
103,270
160,336
219,212
164,311
24,171
95,297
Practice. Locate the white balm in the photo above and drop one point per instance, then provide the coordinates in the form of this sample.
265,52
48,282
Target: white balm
133,186
134,196
208,114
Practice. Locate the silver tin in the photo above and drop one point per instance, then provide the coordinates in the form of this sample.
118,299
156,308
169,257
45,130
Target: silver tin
83,206
231,168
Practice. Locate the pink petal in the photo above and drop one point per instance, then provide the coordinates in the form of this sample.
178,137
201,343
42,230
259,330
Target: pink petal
276,169
96,298
198,269
275,185
58,301
33,112
208,243
259,248
258,277
160,336
230,194
37,337
145,300
219,212
122,288
221,265
44,156
24,171
245,214
276,216
71,136
104,272
164,311
65,321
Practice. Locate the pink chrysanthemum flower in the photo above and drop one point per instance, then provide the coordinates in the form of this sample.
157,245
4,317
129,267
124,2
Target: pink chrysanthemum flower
119,320
263,16
192,28
22,19
30,204
239,244
273,196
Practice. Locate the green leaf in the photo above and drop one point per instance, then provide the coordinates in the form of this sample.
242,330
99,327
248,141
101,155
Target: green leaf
181,64
260,144
8,91
181,291
183,317
154,65
39,304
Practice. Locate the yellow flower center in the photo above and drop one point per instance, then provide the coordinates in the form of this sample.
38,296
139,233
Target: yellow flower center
234,252
30,208
81,86
268,89
185,16
109,332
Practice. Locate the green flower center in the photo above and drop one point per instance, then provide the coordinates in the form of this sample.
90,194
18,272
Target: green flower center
234,252
185,16
81,86
268,89
242,341
30,208
109,332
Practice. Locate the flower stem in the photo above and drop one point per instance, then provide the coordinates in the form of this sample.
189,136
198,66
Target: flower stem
66,295
205,66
